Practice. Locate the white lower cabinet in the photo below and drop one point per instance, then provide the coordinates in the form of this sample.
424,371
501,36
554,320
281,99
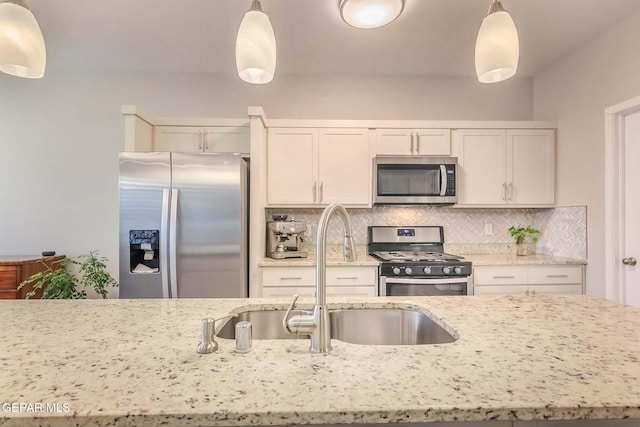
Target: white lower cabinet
528,280
341,281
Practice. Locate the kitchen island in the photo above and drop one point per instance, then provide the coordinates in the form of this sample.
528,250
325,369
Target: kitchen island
133,362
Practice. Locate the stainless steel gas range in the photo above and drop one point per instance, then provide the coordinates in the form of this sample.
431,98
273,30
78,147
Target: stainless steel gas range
414,262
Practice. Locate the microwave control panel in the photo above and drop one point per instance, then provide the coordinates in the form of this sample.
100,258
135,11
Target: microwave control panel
451,180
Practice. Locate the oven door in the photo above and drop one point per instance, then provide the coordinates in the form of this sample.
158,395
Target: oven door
394,286
414,180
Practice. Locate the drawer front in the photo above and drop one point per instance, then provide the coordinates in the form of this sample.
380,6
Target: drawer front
351,276
288,276
500,290
351,291
289,291
555,275
555,289
499,276
8,279
8,295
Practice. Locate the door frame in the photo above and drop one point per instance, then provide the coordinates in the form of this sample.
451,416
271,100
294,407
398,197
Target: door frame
614,182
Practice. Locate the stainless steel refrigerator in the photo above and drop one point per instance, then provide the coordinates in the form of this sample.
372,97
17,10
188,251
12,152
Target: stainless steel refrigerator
183,225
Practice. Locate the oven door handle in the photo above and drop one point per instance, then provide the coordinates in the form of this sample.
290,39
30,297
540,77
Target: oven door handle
443,180
442,281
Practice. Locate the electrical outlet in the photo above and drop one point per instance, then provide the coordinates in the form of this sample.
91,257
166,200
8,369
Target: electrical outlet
488,229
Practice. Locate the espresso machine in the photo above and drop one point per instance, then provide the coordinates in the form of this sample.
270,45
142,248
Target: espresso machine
284,238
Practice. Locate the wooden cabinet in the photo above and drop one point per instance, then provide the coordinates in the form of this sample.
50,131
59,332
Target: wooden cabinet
528,280
15,270
413,142
505,168
318,167
341,281
218,139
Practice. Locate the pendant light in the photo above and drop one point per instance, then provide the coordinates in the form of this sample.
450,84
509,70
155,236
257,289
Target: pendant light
256,47
370,13
22,50
497,46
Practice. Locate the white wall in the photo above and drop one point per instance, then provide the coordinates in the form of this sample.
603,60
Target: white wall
59,136
575,92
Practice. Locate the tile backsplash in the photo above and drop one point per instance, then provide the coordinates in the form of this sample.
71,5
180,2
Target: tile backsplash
563,231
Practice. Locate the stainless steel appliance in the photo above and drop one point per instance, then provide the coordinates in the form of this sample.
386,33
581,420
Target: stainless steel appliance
284,238
183,225
415,180
414,262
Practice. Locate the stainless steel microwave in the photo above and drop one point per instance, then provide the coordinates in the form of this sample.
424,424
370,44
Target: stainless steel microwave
414,180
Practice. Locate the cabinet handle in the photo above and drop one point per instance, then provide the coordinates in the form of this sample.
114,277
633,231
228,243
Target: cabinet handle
315,193
417,143
204,139
411,142
290,278
200,140
557,275
321,191
527,292
504,191
533,292
511,191
346,278
504,277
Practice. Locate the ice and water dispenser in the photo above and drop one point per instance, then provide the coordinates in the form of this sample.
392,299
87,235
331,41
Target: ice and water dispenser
144,251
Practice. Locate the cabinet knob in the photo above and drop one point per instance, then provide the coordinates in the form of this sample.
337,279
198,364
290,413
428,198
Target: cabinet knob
630,261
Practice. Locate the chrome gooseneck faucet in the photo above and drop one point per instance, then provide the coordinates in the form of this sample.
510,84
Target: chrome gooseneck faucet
317,324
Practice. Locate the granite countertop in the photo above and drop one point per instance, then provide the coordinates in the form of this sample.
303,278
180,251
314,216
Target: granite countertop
503,259
333,260
133,362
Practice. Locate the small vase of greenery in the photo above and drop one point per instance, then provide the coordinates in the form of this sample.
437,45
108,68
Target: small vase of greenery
58,282
521,234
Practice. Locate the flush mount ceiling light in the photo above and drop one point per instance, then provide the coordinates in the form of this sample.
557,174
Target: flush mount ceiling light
22,50
256,47
497,46
370,13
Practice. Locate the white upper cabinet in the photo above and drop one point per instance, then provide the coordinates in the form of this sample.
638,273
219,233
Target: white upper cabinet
413,142
505,168
218,139
344,166
531,172
318,166
291,166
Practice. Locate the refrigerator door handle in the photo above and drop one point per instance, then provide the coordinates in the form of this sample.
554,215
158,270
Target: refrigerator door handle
164,240
173,243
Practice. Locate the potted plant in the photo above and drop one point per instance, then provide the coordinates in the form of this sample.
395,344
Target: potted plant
520,234
59,283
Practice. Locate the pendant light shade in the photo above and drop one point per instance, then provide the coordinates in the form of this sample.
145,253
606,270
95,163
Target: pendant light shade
370,13
22,50
497,46
256,47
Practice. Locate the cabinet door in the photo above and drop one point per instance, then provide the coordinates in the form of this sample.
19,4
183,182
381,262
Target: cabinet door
291,166
394,142
227,140
482,160
351,291
178,138
288,292
344,167
531,167
433,142
500,290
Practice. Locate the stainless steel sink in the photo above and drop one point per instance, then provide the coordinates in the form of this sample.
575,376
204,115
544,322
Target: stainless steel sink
372,326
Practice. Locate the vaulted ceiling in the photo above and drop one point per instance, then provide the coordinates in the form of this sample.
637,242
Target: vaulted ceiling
432,37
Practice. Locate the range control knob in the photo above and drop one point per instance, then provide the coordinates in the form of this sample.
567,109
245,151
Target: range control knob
427,270
458,270
446,270
408,270
396,270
